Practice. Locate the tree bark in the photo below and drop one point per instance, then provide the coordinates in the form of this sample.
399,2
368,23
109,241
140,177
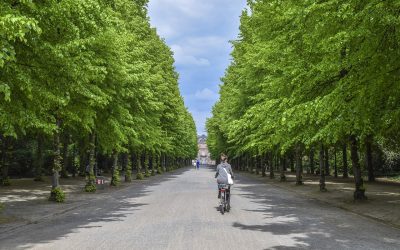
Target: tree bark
299,167
322,185
5,161
153,164
312,164
56,163
165,163
64,173
139,163
283,167
369,163
345,165
327,168
335,165
291,163
247,162
359,193
264,165
271,168
91,178
128,167
73,166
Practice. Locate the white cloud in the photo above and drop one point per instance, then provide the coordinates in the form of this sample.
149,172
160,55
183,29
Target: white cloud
183,56
198,32
189,8
206,95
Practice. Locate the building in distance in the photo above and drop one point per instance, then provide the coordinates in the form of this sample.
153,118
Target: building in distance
204,155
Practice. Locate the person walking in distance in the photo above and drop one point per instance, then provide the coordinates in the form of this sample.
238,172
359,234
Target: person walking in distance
197,164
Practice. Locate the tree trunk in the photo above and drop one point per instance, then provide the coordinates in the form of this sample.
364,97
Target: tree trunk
115,178
91,178
139,174
271,168
73,166
56,166
128,167
322,186
291,163
264,165
247,162
312,164
39,159
335,166
165,163
299,167
146,164
345,165
359,193
283,167
56,161
369,163
153,164
64,173
327,168
5,181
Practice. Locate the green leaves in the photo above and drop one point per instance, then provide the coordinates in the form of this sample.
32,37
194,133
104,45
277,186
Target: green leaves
98,67
306,72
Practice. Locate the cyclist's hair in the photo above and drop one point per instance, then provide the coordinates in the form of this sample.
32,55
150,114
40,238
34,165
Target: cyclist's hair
224,157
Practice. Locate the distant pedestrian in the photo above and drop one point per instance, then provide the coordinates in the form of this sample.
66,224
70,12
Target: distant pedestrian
198,164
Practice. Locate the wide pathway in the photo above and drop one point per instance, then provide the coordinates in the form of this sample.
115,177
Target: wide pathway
179,211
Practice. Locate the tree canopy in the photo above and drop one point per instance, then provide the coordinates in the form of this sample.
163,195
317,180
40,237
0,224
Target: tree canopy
306,73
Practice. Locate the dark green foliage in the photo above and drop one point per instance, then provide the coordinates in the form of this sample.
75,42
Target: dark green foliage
115,180
90,188
128,175
57,195
147,174
139,176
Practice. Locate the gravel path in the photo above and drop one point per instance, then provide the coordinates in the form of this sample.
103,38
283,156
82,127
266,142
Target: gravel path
179,211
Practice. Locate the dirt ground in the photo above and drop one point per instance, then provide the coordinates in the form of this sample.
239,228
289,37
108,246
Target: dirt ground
383,201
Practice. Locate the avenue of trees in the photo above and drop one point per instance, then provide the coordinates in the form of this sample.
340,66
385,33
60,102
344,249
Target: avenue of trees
85,84
315,86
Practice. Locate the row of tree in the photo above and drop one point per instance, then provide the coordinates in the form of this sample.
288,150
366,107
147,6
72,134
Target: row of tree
309,76
92,77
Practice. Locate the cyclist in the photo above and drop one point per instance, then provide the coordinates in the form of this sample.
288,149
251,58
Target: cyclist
223,169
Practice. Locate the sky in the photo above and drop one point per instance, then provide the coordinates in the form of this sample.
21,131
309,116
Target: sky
198,32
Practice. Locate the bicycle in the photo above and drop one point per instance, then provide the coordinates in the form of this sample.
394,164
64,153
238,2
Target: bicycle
225,198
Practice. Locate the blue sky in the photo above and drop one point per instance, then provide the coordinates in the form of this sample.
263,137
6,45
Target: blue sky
198,32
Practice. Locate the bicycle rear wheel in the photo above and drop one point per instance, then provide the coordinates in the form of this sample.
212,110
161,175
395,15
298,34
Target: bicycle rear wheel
222,206
228,203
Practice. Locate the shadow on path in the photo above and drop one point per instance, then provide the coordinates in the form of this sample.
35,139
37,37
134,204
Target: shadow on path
306,223
113,206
